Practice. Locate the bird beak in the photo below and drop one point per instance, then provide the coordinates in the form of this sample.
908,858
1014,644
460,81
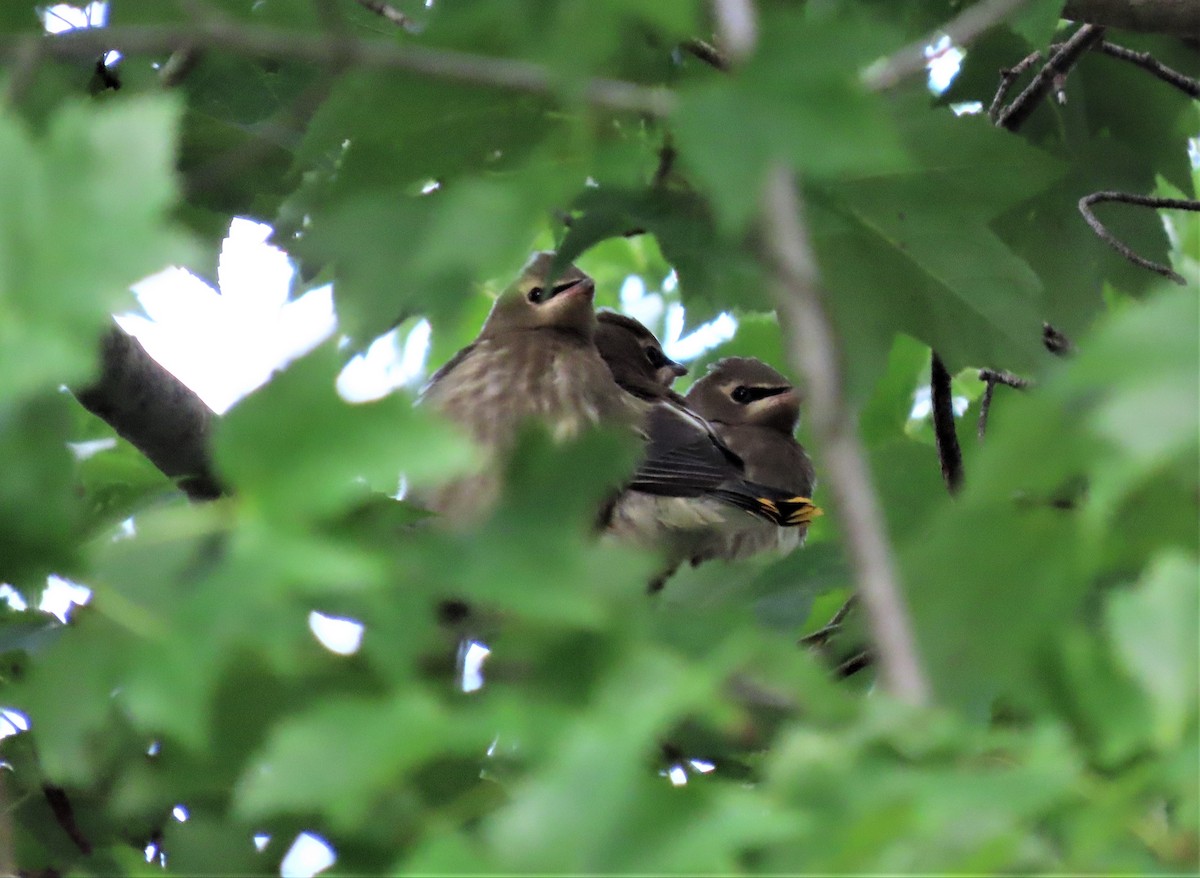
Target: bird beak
677,369
584,287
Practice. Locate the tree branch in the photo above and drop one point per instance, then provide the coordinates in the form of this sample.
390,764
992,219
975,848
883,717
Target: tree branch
1007,77
1013,116
992,377
1148,62
391,13
941,399
156,412
962,30
1085,208
812,349
265,42
1176,17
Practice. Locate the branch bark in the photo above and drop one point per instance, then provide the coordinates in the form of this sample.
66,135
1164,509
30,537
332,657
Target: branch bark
941,399
1179,18
812,350
962,30
1085,208
332,50
156,412
1022,107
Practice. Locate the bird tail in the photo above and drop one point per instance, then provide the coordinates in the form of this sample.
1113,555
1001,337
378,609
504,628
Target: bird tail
778,507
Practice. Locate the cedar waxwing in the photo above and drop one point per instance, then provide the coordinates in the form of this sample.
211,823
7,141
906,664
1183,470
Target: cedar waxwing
691,494
534,359
755,410
635,357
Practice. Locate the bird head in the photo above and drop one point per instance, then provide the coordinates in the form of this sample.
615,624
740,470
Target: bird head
634,355
535,300
745,391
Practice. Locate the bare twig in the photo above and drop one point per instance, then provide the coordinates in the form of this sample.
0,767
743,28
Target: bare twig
1049,77
64,815
962,30
267,42
1008,379
708,53
391,13
1085,207
1180,18
941,398
1007,77
822,634
1055,342
992,377
853,665
985,406
1146,61
812,349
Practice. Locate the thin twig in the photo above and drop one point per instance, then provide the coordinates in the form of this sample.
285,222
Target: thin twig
822,634
708,53
267,42
962,30
64,815
945,434
1015,114
391,13
1085,207
1148,62
1175,17
1008,379
853,665
812,348
992,377
1007,77
985,406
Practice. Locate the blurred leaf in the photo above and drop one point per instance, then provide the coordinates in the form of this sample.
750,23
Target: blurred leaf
1156,640
84,217
280,445
817,115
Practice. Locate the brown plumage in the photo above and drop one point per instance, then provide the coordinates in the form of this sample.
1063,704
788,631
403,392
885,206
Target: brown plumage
692,495
534,359
636,358
755,410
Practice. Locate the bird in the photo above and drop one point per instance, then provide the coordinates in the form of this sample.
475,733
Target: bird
755,410
635,357
534,359
691,494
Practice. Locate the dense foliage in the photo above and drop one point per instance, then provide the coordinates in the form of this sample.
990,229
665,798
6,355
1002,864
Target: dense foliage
1054,599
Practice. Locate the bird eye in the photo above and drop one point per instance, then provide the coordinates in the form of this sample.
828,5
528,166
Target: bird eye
742,394
535,295
656,357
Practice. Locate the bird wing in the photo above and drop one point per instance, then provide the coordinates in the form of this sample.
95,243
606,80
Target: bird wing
685,458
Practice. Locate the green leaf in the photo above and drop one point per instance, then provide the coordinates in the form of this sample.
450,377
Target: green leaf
1155,638
295,449
816,115
84,216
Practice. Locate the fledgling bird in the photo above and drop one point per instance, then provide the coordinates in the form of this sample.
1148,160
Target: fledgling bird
636,358
692,494
755,411
534,359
